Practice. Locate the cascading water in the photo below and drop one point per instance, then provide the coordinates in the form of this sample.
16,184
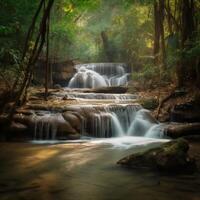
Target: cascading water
115,120
44,128
102,115
46,125
99,75
145,125
99,96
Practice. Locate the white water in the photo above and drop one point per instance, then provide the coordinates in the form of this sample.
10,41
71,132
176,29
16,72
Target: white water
97,96
108,115
103,121
99,75
116,120
124,142
46,125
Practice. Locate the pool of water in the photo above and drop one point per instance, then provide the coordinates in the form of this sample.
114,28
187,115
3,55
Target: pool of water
87,169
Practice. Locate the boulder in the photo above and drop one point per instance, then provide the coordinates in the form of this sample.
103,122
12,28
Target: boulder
149,103
27,120
187,112
64,129
170,157
62,71
73,120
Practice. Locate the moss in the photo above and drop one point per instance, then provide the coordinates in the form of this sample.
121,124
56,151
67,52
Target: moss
171,157
150,103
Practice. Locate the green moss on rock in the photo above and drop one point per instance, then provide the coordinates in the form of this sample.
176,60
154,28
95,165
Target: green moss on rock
170,157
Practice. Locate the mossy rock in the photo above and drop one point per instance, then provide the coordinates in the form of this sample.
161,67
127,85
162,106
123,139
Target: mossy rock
170,157
150,103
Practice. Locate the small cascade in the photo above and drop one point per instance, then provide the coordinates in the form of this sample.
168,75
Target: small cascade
155,131
99,96
96,75
144,124
102,121
46,125
105,125
114,120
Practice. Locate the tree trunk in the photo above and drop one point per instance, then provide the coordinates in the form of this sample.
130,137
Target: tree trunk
106,46
159,37
162,33
47,70
156,32
169,19
32,58
186,70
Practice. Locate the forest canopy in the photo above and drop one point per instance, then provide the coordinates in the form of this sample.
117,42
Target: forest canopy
159,39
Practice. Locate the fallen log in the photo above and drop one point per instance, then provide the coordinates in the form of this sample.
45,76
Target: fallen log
180,130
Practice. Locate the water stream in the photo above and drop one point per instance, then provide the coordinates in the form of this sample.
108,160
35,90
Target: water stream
103,115
96,75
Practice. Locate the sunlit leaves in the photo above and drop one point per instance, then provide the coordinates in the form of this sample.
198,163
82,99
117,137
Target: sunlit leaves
68,8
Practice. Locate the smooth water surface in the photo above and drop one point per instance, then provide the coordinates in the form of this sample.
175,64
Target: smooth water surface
85,170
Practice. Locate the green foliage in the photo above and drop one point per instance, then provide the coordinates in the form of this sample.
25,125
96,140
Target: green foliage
75,33
147,73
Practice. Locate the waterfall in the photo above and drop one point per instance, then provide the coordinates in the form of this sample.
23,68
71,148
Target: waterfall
96,75
144,124
46,125
102,121
115,120
101,115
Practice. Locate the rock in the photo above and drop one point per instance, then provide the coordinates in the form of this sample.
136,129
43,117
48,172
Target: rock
180,130
62,71
57,86
64,129
112,90
24,111
170,157
150,103
24,119
73,136
73,120
18,127
192,115
185,112
14,131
